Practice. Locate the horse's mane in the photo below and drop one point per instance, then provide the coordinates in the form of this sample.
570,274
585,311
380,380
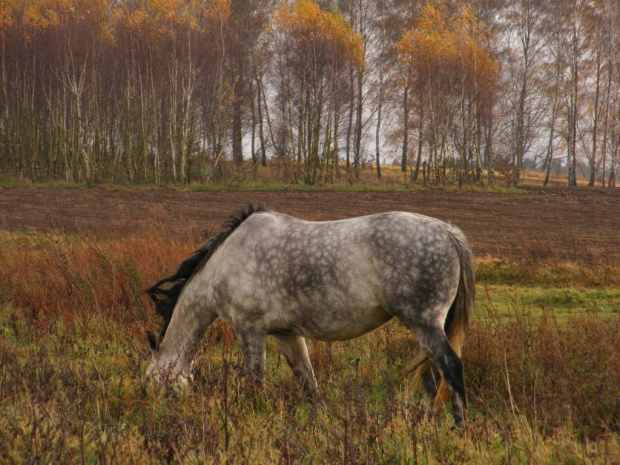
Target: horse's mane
166,297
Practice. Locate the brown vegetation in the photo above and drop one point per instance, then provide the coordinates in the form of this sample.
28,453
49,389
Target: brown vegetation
72,344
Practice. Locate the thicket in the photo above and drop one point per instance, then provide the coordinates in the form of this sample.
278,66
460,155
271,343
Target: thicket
72,384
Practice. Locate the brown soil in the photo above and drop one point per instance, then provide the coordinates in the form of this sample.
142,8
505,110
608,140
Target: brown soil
578,225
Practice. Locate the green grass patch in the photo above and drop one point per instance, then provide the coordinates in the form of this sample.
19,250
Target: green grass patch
485,189
274,186
546,275
8,184
258,185
561,301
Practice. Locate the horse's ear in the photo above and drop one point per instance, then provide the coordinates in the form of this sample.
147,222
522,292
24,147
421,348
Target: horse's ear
153,342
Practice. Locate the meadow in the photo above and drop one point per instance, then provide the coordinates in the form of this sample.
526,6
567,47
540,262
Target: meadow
541,359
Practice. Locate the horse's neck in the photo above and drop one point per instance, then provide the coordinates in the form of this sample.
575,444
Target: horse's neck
181,333
185,330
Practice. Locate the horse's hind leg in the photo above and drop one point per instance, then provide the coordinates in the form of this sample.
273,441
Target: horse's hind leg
437,348
295,351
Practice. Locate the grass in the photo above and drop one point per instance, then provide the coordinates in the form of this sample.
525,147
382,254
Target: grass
546,274
253,185
563,301
565,289
541,360
272,179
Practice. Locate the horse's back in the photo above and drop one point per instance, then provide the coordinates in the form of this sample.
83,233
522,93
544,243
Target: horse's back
333,279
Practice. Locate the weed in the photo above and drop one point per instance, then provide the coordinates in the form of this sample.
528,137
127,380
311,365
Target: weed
542,388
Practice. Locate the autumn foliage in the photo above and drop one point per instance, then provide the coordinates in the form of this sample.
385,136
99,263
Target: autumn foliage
440,47
310,27
165,91
316,49
99,90
452,78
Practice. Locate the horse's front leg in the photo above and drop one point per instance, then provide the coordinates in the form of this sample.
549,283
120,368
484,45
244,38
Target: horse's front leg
430,385
253,346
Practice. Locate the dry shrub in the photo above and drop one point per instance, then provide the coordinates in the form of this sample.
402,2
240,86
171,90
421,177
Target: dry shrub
75,280
526,373
536,252
555,373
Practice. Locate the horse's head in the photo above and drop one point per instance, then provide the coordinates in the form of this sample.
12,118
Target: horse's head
167,366
166,369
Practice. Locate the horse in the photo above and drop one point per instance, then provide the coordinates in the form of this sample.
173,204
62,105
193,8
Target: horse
270,274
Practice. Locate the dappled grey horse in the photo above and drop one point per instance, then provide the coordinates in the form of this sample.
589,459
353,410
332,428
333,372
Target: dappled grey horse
271,274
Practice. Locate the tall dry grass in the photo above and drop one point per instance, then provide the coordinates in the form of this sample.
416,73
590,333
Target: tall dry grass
51,277
553,372
72,385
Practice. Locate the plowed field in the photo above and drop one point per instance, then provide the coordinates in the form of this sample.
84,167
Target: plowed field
577,225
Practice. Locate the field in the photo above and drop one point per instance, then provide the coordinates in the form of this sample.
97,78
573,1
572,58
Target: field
542,364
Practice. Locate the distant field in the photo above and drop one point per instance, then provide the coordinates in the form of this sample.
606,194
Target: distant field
553,224
542,364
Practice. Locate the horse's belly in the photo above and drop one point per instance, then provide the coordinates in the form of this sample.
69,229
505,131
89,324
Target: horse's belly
341,326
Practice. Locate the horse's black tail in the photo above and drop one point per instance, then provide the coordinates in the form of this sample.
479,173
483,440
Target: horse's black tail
457,321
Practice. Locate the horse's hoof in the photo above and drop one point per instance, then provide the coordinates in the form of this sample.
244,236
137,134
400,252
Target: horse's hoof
459,425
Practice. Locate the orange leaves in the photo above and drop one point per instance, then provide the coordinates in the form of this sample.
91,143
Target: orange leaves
302,18
6,21
474,53
219,10
440,46
339,32
429,44
39,16
176,12
135,20
156,19
49,13
7,11
310,27
432,37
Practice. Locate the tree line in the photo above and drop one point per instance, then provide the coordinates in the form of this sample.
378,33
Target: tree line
163,91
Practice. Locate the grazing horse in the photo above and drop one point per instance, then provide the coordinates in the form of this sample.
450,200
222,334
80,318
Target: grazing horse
271,274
